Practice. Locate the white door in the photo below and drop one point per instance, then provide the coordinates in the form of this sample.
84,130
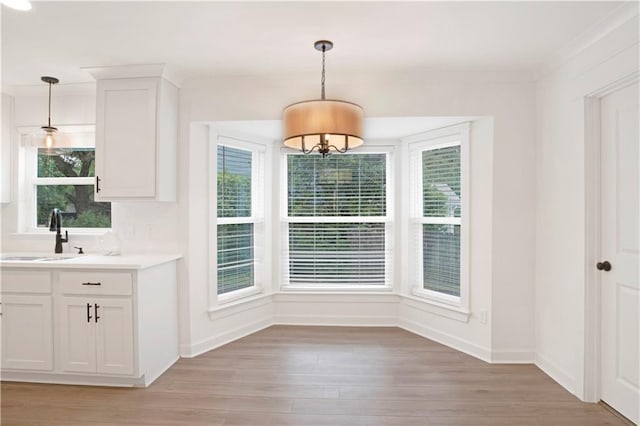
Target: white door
620,295
77,335
27,332
114,336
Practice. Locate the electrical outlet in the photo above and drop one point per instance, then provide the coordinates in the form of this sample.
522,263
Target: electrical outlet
482,316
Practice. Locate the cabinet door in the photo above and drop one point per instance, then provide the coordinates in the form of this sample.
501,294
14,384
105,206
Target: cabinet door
114,336
27,332
126,138
77,343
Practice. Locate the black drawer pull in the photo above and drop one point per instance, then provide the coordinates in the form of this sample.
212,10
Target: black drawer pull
90,283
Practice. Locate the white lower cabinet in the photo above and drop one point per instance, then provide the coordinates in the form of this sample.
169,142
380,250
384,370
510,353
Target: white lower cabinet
27,332
89,326
96,335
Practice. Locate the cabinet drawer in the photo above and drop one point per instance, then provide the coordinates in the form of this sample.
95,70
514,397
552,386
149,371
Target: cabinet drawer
26,281
105,283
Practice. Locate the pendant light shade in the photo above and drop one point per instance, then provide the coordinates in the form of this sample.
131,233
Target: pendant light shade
323,125
338,121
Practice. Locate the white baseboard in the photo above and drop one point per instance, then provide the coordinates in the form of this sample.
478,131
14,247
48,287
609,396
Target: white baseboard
555,372
198,348
513,357
72,379
454,342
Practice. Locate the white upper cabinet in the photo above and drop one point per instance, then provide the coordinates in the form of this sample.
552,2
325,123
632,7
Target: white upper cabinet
136,135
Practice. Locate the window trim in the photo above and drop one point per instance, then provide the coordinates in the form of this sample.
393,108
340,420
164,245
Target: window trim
284,220
28,160
257,218
440,138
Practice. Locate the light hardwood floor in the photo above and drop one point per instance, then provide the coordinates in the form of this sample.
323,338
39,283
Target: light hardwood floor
298,376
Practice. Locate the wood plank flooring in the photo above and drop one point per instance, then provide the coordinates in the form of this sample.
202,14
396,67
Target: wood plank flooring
287,375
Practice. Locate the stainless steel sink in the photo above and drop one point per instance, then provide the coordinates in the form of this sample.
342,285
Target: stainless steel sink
35,258
49,259
22,258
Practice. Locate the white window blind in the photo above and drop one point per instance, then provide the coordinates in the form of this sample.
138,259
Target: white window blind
235,230
441,210
235,257
337,253
337,220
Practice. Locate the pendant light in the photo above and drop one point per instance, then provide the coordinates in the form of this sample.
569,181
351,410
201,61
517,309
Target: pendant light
49,129
54,142
323,125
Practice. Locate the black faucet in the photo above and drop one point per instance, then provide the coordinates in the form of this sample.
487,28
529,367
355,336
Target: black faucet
54,226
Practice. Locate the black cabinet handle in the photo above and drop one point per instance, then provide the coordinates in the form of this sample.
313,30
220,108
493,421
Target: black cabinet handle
603,266
89,312
96,306
97,184
90,283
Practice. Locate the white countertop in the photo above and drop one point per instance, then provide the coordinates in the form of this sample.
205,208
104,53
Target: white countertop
87,261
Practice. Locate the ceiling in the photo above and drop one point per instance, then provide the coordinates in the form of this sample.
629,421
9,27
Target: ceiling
206,39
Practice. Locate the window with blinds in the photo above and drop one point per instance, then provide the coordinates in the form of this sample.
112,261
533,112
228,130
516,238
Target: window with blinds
337,220
441,207
235,227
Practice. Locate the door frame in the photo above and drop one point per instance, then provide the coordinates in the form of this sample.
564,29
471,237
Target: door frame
592,346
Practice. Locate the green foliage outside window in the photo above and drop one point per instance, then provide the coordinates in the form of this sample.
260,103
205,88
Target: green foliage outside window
339,185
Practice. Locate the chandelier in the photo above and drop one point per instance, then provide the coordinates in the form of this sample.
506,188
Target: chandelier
323,125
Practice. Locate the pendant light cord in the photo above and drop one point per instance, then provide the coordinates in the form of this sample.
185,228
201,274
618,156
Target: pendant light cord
49,115
322,80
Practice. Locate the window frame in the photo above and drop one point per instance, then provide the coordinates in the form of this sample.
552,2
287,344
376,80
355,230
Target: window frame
30,181
440,138
257,217
388,220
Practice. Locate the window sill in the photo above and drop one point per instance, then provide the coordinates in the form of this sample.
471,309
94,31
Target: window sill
243,293
438,308
242,300
46,234
239,303
321,289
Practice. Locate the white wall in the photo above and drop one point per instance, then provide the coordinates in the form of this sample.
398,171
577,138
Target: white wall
6,124
560,197
504,244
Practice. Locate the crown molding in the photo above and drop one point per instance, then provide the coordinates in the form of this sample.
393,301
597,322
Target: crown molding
615,19
136,71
